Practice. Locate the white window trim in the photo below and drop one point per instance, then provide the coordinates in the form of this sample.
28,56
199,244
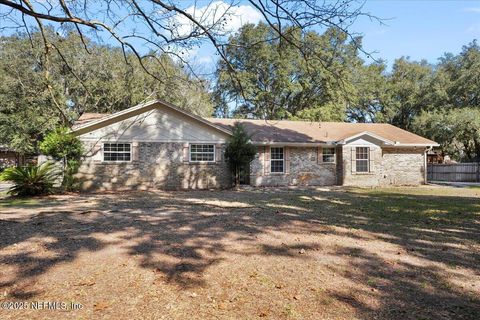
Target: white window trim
334,155
202,161
367,160
283,160
117,142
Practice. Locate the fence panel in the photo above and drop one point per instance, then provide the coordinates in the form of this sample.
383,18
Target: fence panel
455,172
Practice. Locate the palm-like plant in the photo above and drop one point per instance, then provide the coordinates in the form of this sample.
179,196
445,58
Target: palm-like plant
31,180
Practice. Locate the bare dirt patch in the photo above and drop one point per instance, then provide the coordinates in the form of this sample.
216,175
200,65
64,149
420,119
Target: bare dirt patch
409,253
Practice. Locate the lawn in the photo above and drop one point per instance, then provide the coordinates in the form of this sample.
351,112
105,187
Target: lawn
399,253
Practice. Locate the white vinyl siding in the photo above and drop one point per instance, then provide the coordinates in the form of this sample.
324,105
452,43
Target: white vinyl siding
170,127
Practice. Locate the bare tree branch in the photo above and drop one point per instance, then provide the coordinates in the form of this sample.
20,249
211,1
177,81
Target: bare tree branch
46,66
152,27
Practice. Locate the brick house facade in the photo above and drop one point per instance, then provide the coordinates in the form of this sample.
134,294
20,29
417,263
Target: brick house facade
156,145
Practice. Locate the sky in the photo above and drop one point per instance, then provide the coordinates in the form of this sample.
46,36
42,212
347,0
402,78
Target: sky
418,29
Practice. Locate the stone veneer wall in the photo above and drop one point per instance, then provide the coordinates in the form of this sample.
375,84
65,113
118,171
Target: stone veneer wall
162,165
403,166
391,166
304,169
159,165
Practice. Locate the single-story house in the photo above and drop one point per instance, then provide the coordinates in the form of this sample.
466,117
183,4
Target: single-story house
157,145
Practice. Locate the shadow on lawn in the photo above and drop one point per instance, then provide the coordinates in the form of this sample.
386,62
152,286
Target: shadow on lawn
180,234
406,291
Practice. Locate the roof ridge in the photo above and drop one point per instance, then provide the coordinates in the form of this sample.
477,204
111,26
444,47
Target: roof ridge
300,120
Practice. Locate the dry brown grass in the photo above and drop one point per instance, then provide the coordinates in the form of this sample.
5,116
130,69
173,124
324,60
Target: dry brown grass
401,253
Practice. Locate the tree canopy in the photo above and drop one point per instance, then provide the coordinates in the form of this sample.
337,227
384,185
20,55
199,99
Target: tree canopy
295,74
276,80
451,114
155,27
51,71
99,81
439,101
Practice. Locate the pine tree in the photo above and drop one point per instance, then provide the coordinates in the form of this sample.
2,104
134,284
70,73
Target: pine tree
239,151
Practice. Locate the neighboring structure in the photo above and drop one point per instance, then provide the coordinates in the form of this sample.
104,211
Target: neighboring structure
436,156
156,145
8,158
11,158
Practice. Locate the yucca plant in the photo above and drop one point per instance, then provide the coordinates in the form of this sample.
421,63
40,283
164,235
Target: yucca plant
31,180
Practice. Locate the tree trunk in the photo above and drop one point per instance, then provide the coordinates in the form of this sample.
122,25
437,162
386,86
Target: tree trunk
64,170
469,153
476,144
237,176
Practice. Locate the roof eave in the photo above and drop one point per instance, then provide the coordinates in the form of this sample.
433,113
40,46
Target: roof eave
293,143
433,144
367,133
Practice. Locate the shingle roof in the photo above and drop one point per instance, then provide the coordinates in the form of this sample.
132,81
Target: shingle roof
87,117
320,132
286,131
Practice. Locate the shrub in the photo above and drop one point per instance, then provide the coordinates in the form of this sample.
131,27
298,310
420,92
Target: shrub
63,146
69,182
239,151
31,180
60,144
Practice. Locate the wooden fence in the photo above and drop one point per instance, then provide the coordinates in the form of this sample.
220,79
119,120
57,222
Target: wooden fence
455,172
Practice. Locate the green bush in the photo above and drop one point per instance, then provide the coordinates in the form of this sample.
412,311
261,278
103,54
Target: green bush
31,180
239,151
69,182
63,146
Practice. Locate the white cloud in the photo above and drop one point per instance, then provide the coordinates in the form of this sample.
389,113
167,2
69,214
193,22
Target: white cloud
222,17
206,59
474,29
472,9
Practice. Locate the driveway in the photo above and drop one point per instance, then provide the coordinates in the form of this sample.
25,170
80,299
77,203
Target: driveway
456,184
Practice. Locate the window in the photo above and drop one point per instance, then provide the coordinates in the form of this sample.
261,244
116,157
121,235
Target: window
115,152
328,155
362,162
202,153
276,160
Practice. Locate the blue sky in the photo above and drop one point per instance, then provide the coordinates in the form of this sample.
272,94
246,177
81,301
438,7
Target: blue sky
420,29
